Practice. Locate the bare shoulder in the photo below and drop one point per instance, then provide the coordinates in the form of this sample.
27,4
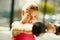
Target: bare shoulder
16,24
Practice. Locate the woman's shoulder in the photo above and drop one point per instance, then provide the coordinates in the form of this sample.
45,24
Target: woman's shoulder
16,23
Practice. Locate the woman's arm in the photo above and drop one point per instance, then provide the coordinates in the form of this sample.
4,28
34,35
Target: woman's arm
17,28
28,28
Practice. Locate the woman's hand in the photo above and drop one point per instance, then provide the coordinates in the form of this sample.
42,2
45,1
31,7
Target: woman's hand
26,18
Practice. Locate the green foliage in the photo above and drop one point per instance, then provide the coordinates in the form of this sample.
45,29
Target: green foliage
49,7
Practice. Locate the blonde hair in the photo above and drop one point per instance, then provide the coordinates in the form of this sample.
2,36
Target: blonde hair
30,5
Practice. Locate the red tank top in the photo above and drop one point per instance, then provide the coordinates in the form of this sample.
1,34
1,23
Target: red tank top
23,36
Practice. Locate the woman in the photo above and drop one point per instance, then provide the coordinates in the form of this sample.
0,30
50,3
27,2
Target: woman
19,29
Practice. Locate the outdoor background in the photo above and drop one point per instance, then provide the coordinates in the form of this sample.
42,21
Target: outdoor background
5,13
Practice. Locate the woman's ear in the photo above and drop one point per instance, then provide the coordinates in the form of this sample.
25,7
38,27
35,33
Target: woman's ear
22,14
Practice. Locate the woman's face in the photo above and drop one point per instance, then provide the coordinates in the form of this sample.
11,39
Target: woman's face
33,14
29,16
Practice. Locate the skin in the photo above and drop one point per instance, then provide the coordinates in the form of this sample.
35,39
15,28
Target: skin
29,17
50,28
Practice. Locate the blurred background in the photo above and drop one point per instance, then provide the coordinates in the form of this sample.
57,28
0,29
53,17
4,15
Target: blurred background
10,12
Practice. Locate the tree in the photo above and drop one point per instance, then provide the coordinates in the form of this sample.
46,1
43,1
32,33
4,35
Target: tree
49,7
